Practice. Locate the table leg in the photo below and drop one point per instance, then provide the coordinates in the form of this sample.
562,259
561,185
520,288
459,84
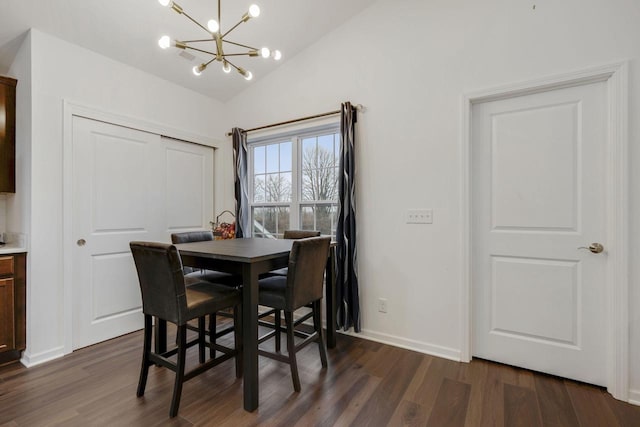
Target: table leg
250,336
330,297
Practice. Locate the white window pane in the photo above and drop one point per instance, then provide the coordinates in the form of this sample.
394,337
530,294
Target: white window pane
270,222
258,160
285,157
324,219
284,222
273,158
285,194
307,218
278,188
308,152
257,214
259,188
325,144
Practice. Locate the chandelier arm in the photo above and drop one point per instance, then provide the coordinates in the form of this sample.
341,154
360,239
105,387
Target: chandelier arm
233,65
197,41
196,22
237,54
239,44
201,50
232,28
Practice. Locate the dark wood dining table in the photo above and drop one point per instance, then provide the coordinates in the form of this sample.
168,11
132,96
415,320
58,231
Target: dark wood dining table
250,258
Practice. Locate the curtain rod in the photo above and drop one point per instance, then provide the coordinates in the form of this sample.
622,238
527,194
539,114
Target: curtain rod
301,119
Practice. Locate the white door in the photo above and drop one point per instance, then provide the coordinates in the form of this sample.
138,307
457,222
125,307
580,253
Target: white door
538,195
127,185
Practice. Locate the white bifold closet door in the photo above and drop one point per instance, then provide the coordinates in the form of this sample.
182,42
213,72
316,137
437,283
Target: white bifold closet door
127,185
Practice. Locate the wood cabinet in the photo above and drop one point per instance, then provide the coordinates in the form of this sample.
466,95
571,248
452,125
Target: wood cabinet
12,306
7,135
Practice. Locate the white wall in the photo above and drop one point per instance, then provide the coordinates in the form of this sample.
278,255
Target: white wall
3,213
409,62
62,71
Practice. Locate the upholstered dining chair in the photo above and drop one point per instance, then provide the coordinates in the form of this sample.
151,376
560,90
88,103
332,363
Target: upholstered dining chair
294,235
277,317
300,287
165,296
198,274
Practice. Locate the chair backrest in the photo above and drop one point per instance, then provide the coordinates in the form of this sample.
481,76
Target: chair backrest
188,237
305,276
300,234
161,280
191,236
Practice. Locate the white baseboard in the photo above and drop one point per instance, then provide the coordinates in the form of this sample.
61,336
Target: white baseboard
31,360
634,397
420,347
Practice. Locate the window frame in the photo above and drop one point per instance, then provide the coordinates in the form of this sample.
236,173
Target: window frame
295,137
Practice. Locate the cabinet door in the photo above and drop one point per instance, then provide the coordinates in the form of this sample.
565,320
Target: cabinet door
7,135
6,315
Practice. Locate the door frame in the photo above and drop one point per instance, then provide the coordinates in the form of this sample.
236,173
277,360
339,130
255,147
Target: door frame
617,207
72,109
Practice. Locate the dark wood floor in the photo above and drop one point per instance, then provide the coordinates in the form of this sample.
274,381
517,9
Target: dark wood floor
367,384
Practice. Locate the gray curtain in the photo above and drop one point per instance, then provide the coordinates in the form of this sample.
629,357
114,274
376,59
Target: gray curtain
347,269
241,182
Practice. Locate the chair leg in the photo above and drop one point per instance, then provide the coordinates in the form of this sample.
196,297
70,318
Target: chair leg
317,325
212,335
177,388
237,338
146,349
201,340
278,329
291,349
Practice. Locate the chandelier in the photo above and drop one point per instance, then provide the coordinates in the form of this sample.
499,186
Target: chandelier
219,40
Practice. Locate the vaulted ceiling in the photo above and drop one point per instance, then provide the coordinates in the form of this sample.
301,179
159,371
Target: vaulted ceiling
128,31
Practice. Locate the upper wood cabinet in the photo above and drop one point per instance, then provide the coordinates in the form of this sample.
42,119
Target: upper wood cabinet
7,135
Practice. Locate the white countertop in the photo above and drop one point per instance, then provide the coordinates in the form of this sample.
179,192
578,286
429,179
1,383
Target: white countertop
15,243
11,248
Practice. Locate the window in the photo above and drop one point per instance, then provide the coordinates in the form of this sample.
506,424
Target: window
293,182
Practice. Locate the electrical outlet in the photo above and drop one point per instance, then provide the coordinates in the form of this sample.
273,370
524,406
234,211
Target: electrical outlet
382,305
420,216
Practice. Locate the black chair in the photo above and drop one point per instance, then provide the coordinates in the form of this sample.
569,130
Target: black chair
165,296
302,286
294,235
277,319
197,274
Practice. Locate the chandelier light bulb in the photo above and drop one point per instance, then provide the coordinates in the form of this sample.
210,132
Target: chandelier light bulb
277,55
265,52
213,25
198,69
165,3
164,42
254,11
248,75
226,67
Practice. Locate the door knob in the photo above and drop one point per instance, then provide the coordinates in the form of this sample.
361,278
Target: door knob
596,248
81,242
